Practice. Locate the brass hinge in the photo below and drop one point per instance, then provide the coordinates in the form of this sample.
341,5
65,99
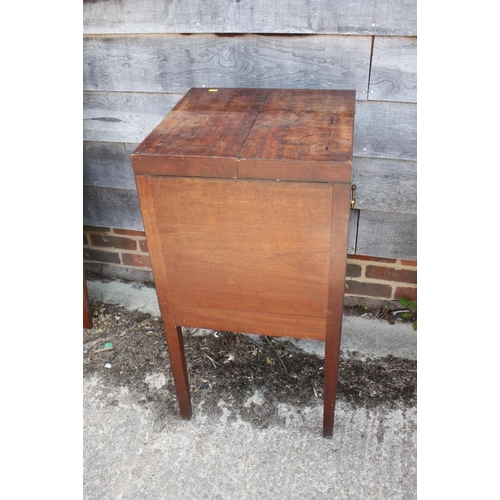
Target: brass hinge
353,195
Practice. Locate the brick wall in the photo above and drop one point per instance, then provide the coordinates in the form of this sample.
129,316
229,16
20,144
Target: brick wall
380,279
117,253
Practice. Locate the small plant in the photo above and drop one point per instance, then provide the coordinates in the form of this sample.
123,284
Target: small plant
411,314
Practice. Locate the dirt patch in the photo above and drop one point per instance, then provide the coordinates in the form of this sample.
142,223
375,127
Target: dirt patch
128,349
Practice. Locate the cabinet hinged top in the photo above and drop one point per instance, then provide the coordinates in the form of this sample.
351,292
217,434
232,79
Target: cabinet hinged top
280,134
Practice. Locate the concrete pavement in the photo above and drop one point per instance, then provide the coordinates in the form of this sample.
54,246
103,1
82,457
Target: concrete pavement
132,453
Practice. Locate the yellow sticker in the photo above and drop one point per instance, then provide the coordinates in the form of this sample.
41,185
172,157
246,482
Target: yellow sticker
213,90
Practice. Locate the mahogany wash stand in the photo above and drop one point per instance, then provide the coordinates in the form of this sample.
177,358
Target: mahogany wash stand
245,196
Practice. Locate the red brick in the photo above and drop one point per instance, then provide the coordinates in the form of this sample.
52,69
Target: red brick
144,246
370,289
136,260
406,293
129,232
373,259
100,256
95,229
101,240
353,271
391,274
409,263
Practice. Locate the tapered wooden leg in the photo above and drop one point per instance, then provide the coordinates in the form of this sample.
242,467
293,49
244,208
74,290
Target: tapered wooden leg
332,351
173,333
87,312
175,345
338,262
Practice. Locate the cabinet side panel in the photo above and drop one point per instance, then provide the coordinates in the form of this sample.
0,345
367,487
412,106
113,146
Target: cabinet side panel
250,246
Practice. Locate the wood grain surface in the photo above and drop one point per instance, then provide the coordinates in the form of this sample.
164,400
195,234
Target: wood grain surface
109,207
123,116
386,130
197,138
258,16
108,164
383,234
384,185
176,63
393,75
278,134
274,325
246,245
302,127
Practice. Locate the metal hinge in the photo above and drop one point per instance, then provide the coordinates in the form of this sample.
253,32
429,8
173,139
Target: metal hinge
353,195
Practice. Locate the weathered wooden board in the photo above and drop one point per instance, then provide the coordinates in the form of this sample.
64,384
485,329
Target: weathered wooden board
385,130
123,117
106,207
393,75
385,185
390,235
108,164
175,63
383,17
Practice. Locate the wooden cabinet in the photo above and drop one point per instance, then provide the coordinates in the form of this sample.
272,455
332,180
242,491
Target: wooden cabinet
245,198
